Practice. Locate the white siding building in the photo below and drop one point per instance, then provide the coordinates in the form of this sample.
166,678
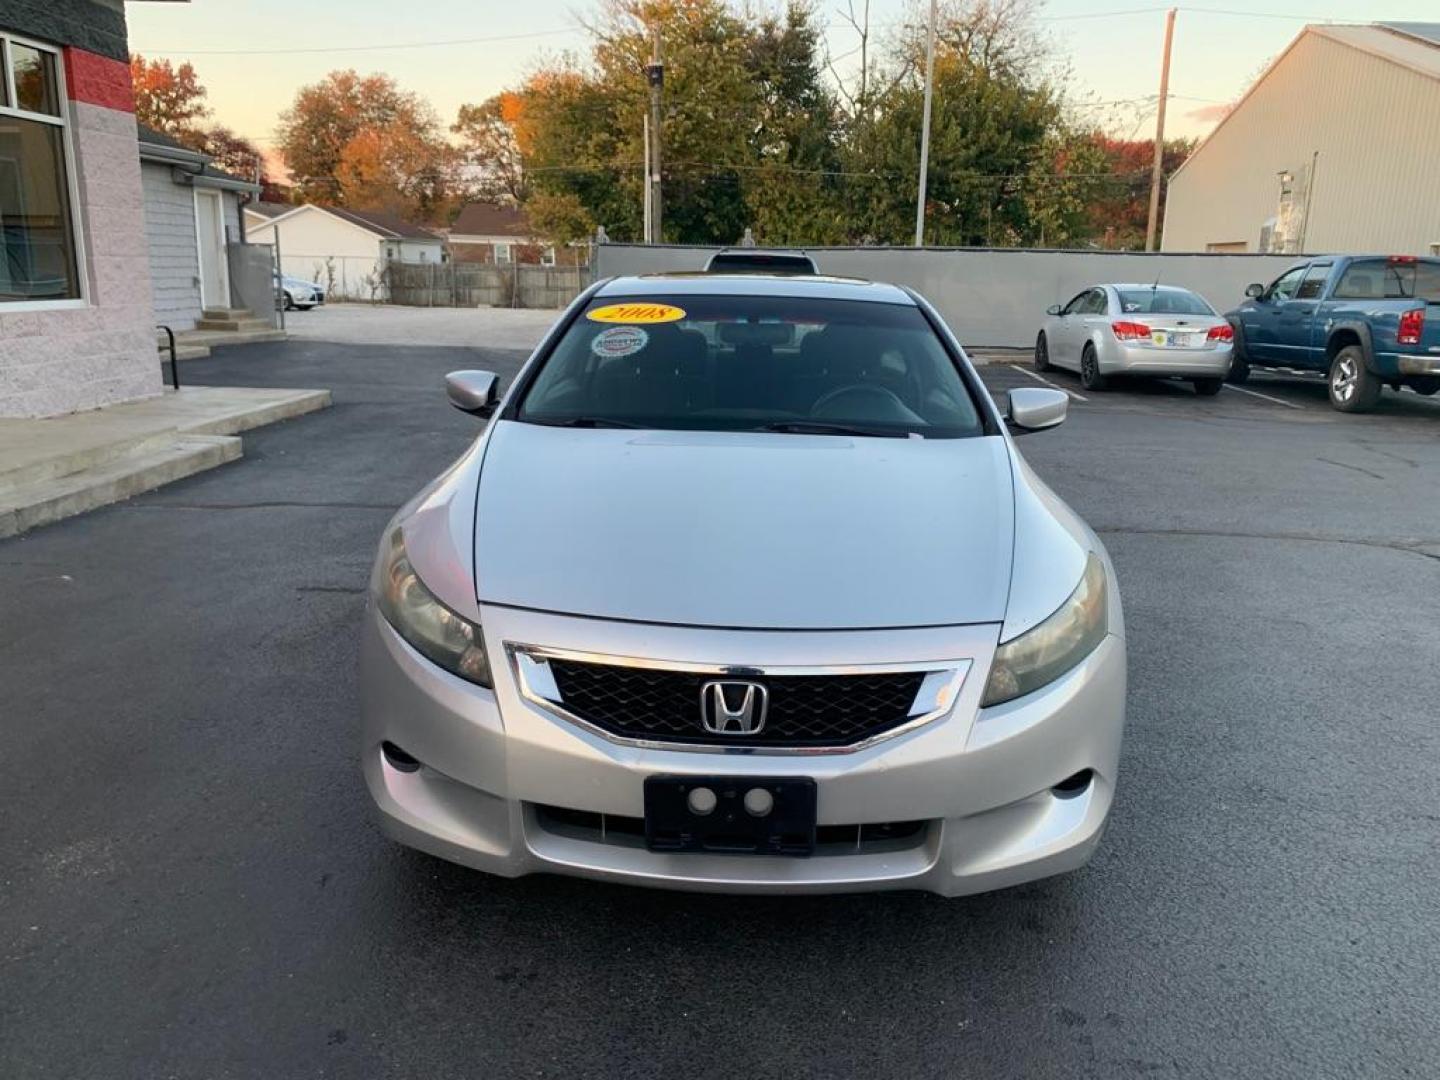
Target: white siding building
343,250
192,216
1335,148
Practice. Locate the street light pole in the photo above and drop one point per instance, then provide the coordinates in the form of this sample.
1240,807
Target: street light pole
925,128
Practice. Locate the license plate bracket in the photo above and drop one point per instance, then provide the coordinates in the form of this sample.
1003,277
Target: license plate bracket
672,824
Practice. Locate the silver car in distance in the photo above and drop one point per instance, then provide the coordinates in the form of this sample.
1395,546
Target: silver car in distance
745,587
1110,330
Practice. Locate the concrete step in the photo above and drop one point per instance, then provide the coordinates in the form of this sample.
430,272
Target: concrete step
212,338
141,468
73,460
249,410
243,324
227,313
184,352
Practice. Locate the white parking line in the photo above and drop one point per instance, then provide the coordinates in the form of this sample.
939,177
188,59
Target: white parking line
1047,382
1267,397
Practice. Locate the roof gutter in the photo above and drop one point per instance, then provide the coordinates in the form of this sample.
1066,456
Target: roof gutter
171,155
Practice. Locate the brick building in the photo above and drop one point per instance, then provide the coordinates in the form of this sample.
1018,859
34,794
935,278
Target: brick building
500,234
76,322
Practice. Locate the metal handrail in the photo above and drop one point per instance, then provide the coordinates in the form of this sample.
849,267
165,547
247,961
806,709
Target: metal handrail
174,361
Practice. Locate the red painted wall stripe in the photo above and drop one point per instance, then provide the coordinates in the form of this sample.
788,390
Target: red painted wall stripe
98,80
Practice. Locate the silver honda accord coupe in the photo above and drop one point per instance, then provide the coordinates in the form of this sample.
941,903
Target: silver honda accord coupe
1155,330
746,587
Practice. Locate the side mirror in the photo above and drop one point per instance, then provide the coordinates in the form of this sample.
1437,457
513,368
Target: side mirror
1053,309
474,392
1255,291
1035,409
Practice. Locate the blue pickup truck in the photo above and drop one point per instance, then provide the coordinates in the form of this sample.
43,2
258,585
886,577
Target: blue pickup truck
1367,321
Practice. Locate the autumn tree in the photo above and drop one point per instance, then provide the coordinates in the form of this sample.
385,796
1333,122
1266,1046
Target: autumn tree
490,135
362,141
1117,216
167,98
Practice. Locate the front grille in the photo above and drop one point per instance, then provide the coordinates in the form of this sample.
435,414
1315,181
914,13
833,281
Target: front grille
805,710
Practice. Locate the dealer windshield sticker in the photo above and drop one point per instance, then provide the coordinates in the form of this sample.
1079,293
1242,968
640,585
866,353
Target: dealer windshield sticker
619,341
636,313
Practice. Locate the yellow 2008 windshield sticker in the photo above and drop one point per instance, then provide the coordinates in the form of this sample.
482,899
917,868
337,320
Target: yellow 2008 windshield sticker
636,313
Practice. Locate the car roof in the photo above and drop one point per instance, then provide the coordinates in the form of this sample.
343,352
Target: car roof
1148,285
818,286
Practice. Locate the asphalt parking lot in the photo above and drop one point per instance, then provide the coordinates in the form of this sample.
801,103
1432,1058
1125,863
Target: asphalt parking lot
192,886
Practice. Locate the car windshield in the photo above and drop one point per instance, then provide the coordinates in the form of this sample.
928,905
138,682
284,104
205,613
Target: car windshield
753,363
1147,301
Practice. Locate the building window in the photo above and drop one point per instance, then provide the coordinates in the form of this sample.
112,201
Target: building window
547,257
38,259
502,253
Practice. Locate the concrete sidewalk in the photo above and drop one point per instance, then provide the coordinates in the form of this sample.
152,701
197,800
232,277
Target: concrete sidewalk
53,468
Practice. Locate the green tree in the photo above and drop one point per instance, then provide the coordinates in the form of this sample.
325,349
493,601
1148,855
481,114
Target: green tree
748,129
996,134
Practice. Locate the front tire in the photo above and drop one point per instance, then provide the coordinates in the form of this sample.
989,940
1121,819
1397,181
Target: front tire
289,303
1090,377
1353,387
1042,353
1239,372
1208,387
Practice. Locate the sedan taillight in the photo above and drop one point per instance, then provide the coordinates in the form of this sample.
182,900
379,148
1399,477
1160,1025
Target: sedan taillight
1223,332
1130,331
1412,325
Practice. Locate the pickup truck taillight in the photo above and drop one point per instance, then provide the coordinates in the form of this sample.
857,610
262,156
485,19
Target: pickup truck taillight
1130,331
1412,325
1223,332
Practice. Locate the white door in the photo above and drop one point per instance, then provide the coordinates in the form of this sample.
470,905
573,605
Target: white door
210,237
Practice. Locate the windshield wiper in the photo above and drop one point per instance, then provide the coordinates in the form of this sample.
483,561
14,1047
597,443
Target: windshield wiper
581,422
820,427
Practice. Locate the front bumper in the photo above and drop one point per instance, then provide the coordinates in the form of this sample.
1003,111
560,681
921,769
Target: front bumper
1211,362
494,766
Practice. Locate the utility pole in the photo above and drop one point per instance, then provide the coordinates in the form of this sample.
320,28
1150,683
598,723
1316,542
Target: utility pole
925,128
1157,169
655,76
645,187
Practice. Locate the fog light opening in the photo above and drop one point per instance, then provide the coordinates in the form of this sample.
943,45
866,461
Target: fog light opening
1074,785
398,759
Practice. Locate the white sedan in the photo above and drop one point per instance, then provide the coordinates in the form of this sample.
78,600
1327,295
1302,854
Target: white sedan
1157,330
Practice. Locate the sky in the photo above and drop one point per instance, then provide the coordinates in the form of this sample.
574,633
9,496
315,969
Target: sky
249,63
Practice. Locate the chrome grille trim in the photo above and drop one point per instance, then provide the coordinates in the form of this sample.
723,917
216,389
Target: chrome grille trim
938,693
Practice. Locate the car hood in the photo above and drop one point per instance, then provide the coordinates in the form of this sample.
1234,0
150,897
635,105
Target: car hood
745,530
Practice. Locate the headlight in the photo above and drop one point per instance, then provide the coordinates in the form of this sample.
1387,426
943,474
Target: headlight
431,628
1042,655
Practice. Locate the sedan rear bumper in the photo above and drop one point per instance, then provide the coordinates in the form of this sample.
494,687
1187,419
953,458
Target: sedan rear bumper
1121,358
989,798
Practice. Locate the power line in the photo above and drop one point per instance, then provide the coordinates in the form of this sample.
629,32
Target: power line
364,48
441,43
